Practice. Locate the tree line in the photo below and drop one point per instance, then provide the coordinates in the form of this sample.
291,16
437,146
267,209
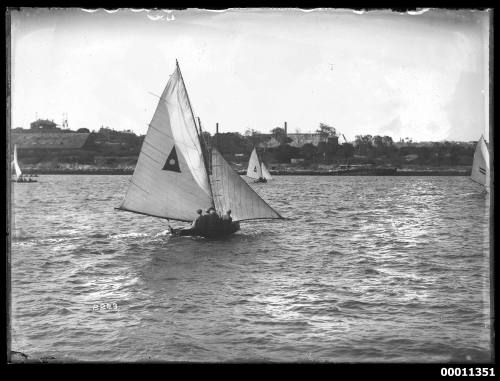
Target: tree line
366,149
331,148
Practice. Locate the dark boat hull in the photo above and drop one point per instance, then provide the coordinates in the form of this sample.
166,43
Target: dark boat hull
223,230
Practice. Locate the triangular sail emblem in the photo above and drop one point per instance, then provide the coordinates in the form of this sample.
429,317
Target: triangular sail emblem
255,169
172,163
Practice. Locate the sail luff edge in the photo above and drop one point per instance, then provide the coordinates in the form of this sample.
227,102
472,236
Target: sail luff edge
196,129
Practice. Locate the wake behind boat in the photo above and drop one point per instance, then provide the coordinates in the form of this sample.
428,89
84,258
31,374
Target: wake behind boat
481,164
177,175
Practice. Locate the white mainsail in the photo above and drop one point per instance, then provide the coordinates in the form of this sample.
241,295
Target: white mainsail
170,179
481,164
230,191
254,169
265,172
15,165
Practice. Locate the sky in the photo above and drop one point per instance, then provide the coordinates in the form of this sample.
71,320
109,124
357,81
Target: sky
422,76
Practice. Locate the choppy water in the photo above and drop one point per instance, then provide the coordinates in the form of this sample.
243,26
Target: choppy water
371,269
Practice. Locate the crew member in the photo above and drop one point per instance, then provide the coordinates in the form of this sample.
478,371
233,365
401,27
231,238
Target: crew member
227,217
213,222
197,221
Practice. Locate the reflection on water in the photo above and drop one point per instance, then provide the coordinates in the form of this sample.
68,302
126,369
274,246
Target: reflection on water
368,269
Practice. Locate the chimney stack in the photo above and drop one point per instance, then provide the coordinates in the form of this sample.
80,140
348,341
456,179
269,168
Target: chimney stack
217,134
286,132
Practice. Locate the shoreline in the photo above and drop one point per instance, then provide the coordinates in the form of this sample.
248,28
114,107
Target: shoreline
381,172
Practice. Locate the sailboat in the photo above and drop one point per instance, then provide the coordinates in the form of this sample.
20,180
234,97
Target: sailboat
481,164
17,175
257,169
15,166
177,173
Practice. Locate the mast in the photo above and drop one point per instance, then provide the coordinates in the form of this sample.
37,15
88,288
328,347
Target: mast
170,179
204,147
197,132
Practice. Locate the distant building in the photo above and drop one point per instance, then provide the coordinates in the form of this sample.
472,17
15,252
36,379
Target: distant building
267,141
298,140
333,140
44,125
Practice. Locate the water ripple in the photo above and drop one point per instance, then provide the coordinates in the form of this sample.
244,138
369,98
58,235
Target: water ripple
370,269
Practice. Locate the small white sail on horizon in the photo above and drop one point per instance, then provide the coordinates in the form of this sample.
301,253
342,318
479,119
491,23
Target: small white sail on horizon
256,168
171,179
15,165
265,172
231,192
481,164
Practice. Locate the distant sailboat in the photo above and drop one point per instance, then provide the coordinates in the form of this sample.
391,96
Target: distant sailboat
481,164
17,175
15,166
174,176
257,169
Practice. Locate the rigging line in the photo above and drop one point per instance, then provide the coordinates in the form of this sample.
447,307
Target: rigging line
181,99
138,186
201,140
184,191
219,188
188,158
161,152
223,187
171,137
204,148
477,182
194,121
157,162
180,102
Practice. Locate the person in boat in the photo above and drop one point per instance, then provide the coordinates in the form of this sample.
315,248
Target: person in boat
213,217
209,225
213,222
197,227
227,217
197,221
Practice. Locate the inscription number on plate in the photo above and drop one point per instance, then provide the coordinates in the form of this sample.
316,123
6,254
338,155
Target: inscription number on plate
468,372
105,306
